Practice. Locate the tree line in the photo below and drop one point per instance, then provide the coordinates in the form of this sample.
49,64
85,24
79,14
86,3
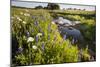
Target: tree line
51,6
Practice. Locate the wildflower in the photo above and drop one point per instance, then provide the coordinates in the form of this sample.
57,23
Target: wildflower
27,34
33,17
26,14
20,49
18,18
37,38
32,30
30,39
21,13
73,41
64,37
39,34
43,46
36,23
53,22
34,47
24,22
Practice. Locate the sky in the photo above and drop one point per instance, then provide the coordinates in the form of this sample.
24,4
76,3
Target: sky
34,4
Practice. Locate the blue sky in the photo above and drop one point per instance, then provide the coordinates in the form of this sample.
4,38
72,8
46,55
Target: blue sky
33,4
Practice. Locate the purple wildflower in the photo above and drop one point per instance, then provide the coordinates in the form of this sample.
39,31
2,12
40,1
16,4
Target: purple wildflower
33,17
20,49
36,23
27,34
37,38
73,41
64,37
42,46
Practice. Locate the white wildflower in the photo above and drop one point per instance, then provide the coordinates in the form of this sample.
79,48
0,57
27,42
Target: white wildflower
30,39
24,22
39,34
34,47
26,14
18,18
21,13
53,22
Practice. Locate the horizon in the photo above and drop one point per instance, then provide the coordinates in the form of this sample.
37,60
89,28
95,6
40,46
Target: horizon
62,6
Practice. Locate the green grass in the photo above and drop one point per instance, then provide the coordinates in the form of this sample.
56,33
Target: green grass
51,48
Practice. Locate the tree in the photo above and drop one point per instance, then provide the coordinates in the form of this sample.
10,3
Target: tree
53,6
39,7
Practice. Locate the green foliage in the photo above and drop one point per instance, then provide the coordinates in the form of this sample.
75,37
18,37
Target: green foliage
85,55
53,6
39,39
38,7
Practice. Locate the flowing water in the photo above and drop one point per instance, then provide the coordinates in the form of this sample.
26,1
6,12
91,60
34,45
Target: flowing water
65,27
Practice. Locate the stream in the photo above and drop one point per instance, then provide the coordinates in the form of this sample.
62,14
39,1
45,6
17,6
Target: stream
66,28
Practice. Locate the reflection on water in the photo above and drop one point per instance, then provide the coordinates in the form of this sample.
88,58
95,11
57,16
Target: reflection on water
62,21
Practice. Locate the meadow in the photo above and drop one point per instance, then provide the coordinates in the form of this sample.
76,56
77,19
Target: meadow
36,40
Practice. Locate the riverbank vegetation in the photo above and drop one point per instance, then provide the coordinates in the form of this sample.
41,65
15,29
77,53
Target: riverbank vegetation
36,40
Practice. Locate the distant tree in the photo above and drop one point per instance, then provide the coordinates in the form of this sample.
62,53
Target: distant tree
39,7
45,7
53,6
75,8
69,8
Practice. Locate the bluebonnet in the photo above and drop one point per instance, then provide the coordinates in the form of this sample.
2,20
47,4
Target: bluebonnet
27,34
43,46
20,49
36,23
74,40
64,37
33,17
37,38
32,30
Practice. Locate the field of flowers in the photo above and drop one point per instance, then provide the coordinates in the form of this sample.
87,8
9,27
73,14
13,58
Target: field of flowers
36,40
